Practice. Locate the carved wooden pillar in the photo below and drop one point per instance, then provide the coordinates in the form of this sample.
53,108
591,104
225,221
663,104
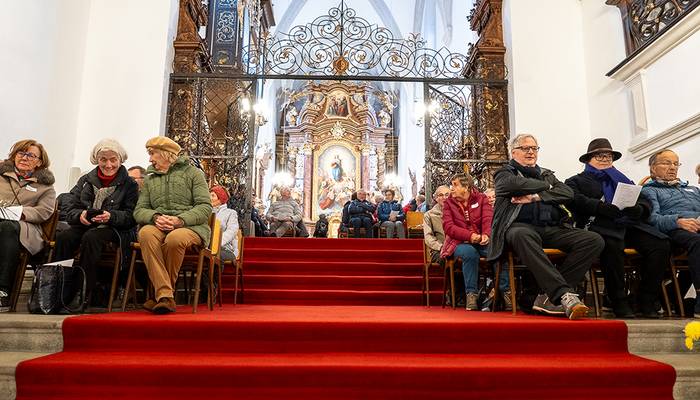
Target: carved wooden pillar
307,150
381,167
365,150
490,108
190,52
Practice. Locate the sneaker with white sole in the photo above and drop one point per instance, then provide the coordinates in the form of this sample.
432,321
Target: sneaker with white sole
575,308
543,305
4,301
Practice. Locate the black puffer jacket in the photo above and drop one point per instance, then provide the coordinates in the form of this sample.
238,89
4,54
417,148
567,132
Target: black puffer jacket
587,194
120,204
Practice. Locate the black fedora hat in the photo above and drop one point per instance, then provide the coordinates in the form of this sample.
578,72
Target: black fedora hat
600,145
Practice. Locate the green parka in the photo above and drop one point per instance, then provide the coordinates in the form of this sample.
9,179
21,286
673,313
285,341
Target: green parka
182,191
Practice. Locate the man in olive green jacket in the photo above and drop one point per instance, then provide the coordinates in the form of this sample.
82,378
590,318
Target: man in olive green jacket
174,208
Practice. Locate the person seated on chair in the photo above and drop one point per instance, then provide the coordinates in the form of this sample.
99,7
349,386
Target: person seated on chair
138,173
174,209
675,210
99,210
491,194
391,216
27,186
284,214
229,223
345,214
529,215
360,214
421,204
466,220
594,189
697,172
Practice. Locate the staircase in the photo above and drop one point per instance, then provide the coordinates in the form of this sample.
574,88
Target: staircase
310,271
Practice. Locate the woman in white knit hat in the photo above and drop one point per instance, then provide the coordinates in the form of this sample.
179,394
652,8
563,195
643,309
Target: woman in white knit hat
99,210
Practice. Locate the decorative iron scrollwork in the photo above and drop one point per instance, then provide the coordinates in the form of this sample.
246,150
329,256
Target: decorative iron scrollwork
342,43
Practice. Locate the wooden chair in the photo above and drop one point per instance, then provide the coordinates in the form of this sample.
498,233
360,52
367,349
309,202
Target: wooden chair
553,254
193,261
111,257
678,263
449,275
237,264
428,264
414,224
48,232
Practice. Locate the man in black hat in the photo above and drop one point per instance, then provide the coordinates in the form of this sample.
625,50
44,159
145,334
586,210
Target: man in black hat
529,214
594,189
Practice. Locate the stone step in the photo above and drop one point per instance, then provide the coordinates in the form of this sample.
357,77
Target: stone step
656,336
8,364
31,333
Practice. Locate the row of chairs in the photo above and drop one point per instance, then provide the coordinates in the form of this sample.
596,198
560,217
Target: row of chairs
677,263
111,257
414,227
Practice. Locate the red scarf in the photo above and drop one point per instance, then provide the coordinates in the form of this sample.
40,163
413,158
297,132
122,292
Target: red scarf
106,180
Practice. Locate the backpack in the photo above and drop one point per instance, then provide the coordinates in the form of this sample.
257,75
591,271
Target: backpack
321,229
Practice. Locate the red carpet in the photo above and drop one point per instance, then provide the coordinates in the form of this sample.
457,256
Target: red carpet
281,351
341,352
333,272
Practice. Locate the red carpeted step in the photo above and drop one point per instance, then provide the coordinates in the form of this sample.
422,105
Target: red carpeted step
333,244
335,282
272,328
347,268
334,297
343,375
333,255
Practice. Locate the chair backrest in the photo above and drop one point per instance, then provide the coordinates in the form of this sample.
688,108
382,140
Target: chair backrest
414,219
239,240
48,227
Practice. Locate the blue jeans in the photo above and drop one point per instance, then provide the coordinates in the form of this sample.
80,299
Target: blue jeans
470,253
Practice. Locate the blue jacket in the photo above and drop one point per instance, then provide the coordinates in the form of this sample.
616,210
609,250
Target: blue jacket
385,208
358,208
668,203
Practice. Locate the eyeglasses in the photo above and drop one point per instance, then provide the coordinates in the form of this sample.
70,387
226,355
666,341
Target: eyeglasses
27,155
442,195
669,163
603,156
529,149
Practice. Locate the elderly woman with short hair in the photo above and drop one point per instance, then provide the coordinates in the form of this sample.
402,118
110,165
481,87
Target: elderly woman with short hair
26,182
99,210
174,209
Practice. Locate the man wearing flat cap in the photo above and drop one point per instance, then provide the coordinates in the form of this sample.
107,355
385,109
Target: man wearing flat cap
174,209
594,189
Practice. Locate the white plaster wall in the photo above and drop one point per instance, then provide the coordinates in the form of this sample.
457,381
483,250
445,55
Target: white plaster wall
128,58
43,47
548,94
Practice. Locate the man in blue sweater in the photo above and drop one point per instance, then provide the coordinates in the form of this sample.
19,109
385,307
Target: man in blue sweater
675,209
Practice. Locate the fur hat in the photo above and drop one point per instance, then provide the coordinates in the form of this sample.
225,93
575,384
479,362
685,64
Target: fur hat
108,145
164,143
221,193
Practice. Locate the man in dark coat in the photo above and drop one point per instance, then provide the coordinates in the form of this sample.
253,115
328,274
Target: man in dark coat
360,214
529,214
594,189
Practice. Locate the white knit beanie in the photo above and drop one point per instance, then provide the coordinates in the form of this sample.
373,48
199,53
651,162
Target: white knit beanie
108,145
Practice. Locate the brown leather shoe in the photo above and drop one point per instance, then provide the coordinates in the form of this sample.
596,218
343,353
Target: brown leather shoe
149,305
165,305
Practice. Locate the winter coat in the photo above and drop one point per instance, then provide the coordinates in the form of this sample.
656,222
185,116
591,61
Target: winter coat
181,191
37,197
385,208
229,228
509,183
588,192
359,208
457,229
284,209
120,204
433,233
668,203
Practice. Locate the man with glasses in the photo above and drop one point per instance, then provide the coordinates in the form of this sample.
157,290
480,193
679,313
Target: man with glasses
529,215
675,209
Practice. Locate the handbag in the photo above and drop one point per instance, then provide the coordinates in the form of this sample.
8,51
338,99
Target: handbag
57,289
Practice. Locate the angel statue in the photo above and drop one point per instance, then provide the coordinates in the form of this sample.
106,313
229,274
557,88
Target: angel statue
384,118
291,116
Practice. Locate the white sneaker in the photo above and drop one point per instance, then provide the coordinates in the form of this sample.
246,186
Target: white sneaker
575,308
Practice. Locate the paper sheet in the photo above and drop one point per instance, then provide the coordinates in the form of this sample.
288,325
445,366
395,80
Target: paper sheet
65,263
12,213
626,195
394,213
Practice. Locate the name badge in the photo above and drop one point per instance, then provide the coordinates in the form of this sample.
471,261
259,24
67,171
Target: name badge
475,205
31,189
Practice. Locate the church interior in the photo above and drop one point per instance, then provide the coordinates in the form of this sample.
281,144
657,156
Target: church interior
323,107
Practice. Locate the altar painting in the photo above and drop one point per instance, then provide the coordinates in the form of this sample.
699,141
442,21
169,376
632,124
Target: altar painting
335,179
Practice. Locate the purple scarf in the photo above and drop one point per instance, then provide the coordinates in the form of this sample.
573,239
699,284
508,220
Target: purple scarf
609,177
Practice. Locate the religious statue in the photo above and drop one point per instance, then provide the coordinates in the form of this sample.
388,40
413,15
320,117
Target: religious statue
337,168
291,116
384,118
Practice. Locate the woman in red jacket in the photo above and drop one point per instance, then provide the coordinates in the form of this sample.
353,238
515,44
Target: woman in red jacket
467,216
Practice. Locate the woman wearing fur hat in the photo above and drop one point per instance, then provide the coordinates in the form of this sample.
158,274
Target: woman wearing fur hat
174,209
594,189
25,182
99,210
